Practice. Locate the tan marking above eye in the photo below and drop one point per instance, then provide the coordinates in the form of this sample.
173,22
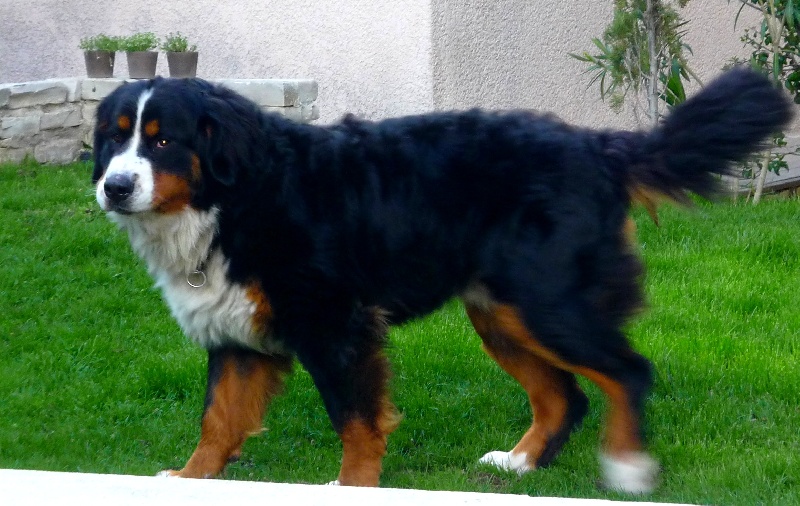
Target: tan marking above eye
152,128
124,122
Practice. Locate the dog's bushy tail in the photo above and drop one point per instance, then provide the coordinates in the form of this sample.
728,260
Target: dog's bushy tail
729,120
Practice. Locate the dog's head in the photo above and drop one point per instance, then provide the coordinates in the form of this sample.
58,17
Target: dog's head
161,144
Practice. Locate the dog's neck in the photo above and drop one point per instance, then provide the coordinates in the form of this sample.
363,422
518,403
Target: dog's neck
178,243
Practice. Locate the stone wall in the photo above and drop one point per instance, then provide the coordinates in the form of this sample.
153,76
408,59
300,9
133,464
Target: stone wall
52,120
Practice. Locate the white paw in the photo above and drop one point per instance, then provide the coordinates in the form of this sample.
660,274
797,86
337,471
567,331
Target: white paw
634,473
507,461
166,474
334,483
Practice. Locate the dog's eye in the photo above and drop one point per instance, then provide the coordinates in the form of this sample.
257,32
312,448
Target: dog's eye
161,143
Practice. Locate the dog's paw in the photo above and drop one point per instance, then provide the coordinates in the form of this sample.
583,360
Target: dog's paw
507,461
168,473
634,473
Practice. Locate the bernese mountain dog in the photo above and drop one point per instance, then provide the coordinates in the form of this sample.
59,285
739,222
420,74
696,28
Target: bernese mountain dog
274,241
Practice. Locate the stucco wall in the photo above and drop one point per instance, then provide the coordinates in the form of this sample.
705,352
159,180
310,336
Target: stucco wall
514,53
375,58
370,57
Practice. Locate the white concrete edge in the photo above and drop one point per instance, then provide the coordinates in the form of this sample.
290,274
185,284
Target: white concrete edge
22,487
272,92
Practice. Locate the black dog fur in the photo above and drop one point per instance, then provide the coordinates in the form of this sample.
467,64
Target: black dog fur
349,227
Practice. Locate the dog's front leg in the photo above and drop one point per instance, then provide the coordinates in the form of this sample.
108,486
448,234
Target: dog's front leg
240,385
352,378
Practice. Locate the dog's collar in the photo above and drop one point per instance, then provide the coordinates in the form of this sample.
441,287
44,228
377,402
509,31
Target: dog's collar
197,278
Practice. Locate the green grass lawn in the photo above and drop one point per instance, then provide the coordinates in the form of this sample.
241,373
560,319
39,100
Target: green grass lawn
96,377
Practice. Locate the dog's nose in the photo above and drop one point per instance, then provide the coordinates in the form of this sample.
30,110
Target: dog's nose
119,187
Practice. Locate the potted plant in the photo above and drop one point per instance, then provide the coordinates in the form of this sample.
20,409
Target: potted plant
141,57
181,56
98,54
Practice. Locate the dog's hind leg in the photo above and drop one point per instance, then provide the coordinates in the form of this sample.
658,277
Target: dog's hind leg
557,402
570,339
240,385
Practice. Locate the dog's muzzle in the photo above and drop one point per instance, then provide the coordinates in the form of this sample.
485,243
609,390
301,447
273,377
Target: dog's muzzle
119,188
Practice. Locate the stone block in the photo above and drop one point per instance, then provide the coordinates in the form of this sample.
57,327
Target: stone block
57,151
19,126
52,120
301,113
89,111
98,89
300,91
36,93
21,141
13,155
73,89
15,113
72,85
87,139
274,92
61,119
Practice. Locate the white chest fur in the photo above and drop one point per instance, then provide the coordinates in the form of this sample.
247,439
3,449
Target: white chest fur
174,246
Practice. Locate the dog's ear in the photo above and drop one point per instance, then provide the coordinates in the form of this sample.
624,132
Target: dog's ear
99,168
226,132
99,146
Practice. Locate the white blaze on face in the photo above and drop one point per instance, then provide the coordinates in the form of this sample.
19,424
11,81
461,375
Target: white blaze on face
130,164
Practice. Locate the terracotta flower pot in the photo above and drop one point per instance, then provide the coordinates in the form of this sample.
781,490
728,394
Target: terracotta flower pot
142,64
182,64
99,63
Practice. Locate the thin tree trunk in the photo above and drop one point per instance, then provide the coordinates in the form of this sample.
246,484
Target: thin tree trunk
652,80
762,177
776,30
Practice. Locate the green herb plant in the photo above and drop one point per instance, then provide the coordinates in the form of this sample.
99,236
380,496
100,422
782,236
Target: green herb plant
177,43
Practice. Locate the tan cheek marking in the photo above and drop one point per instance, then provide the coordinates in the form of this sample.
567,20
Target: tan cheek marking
152,128
124,122
171,193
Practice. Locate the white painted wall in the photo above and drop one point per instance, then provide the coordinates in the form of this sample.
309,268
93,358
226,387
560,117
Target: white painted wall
375,58
514,53
370,57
